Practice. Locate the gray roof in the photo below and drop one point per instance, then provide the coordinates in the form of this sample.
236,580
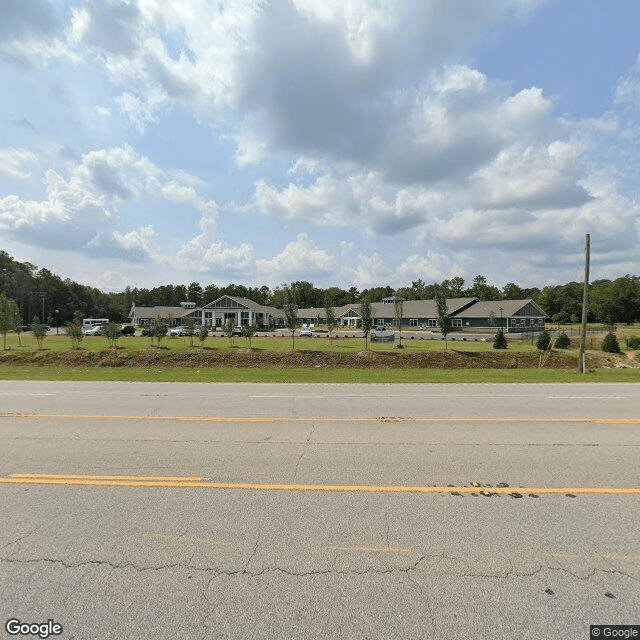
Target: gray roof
163,312
249,304
410,309
484,309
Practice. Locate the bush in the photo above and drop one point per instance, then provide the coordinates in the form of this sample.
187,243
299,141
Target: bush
74,331
39,332
128,330
500,342
633,342
562,341
543,341
113,334
610,343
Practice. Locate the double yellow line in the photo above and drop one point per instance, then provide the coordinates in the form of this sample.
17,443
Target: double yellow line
198,482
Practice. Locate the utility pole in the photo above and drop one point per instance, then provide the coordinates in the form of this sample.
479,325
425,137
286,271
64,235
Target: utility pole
583,332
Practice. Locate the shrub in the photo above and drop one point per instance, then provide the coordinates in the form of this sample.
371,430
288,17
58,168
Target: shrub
610,343
562,341
74,331
113,334
500,342
543,341
39,332
128,330
633,342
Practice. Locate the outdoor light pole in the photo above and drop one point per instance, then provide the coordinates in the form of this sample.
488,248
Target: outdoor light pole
501,329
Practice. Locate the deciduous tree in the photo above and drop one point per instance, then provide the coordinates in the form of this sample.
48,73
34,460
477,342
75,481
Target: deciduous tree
366,320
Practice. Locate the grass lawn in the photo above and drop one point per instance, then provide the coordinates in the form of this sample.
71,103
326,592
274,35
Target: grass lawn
165,372
271,344
307,375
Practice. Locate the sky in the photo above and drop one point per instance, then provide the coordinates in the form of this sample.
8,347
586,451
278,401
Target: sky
348,143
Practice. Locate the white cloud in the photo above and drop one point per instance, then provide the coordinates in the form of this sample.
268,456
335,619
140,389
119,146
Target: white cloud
15,162
83,210
432,267
327,201
372,271
208,252
300,259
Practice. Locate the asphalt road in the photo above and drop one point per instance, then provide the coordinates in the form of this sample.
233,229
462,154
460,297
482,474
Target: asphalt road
319,511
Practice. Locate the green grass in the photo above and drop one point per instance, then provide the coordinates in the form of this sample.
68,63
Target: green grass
384,376
269,344
309,374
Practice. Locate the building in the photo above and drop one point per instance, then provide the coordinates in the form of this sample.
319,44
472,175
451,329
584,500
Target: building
242,311
510,315
143,316
215,314
418,314
465,314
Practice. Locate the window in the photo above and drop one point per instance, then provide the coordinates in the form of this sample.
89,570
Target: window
432,322
456,322
413,322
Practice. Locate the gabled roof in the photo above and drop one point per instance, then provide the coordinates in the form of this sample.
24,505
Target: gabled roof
246,304
410,309
510,308
420,308
163,312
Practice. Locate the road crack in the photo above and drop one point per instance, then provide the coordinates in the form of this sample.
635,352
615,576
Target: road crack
304,450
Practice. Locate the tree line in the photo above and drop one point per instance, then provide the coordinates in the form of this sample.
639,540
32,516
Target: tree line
38,292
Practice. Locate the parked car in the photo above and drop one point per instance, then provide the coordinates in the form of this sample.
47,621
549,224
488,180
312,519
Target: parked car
237,330
306,333
183,330
98,330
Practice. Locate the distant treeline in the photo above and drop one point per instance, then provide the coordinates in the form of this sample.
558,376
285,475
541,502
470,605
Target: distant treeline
34,289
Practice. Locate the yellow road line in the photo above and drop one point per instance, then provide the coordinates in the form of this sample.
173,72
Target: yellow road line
189,482
85,477
316,419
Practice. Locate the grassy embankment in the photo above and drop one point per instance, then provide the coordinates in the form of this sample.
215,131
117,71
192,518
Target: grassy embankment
314,360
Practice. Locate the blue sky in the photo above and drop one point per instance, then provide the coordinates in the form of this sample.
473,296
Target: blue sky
357,143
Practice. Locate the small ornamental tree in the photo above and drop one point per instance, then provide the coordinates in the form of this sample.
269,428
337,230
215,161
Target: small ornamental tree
113,334
228,330
159,330
499,341
366,320
399,309
332,323
9,317
202,335
74,331
248,331
39,332
543,341
610,343
443,314
291,322
562,341
189,330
